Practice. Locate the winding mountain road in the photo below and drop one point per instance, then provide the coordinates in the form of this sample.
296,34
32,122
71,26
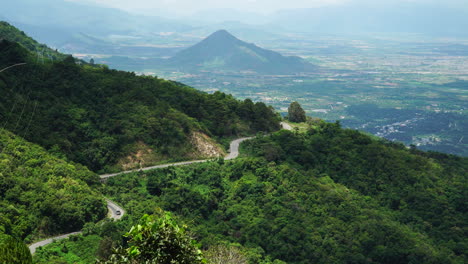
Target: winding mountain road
233,153
116,212
113,213
234,148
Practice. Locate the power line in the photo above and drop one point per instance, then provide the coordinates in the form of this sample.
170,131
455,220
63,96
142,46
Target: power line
21,115
29,123
11,112
14,105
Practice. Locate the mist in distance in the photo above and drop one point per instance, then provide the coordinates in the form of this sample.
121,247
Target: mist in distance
435,18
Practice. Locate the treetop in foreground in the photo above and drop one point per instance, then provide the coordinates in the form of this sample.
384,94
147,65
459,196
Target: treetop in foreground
158,239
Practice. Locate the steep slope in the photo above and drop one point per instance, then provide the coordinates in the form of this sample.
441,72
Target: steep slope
223,51
426,191
41,194
106,119
329,195
12,34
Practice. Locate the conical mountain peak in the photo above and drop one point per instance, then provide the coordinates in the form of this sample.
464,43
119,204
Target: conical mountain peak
222,32
223,51
221,35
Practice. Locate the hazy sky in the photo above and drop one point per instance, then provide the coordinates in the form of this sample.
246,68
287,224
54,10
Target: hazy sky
258,6
186,6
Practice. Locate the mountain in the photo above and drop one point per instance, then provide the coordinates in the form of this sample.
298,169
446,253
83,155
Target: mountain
223,51
220,15
371,17
254,33
58,22
85,18
107,119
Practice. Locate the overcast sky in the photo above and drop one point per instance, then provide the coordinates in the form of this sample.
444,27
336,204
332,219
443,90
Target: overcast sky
258,6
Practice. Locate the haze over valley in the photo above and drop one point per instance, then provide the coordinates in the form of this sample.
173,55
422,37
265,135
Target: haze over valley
234,131
405,61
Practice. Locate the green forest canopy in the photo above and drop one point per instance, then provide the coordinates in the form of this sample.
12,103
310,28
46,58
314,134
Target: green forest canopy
326,196
41,195
96,116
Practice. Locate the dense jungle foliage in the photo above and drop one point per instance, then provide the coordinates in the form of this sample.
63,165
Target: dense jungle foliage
425,190
329,195
278,211
41,195
97,116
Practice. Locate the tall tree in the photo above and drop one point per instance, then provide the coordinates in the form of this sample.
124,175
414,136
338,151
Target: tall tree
296,113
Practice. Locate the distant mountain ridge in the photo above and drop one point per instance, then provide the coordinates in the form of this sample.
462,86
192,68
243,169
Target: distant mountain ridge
58,22
431,19
223,51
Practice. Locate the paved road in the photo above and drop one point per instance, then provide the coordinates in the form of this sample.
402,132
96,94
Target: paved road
233,153
34,246
234,148
115,212
105,176
114,208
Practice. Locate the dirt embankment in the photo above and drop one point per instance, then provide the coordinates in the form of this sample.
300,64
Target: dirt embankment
205,146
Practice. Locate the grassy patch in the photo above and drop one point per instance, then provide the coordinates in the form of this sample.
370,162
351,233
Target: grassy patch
77,250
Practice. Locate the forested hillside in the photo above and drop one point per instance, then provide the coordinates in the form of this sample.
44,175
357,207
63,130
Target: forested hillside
42,195
323,195
106,119
410,209
424,190
329,195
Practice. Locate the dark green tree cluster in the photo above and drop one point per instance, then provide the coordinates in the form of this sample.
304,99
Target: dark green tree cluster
296,113
425,190
97,117
42,195
13,251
